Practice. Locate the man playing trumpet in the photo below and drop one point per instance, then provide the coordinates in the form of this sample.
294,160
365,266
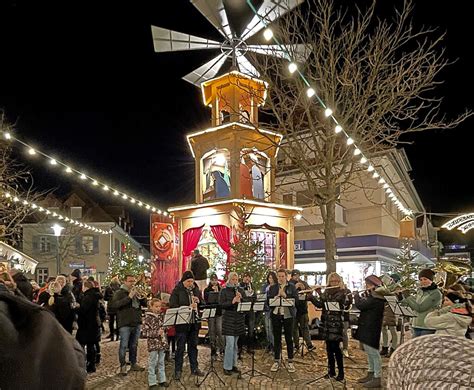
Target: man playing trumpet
127,305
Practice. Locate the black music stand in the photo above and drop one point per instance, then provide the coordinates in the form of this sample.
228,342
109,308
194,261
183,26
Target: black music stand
206,314
178,316
400,310
303,344
277,302
256,306
334,307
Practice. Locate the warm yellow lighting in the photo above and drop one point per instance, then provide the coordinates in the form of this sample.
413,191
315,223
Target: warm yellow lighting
363,160
292,67
310,92
268,34
327,112
31,151
357,152
350,141
338,129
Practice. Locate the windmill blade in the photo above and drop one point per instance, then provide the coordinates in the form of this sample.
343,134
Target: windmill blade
214,12
299,52
168,40
208,70
269,11
245,66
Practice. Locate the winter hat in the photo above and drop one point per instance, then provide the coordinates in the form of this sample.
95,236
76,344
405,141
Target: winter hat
455,298
426,273
396,277
187,275
76,273
295,272
374,280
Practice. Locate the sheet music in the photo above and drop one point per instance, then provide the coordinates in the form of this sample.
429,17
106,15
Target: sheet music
333,306
244,306
258,306
261,297
178,316
208,313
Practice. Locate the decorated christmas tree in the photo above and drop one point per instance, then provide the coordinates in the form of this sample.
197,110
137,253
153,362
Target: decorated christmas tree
125,263
406,268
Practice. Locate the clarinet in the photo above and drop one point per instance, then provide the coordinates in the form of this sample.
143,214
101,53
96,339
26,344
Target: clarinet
194,312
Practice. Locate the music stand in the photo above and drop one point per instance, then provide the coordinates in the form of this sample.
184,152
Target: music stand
209,312
334,307
400,310
255,307
178,316
278,302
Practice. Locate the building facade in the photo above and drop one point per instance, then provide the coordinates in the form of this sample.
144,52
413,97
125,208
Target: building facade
367,223
77,247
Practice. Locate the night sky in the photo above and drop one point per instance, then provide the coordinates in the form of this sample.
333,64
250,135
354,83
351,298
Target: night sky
81,81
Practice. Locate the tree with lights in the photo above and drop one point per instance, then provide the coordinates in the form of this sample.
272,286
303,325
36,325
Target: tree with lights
406,268
364,83
125,263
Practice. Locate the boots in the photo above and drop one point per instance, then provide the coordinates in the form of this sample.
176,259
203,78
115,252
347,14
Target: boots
373,383
90,367
366,378
384,351
97,358
390,352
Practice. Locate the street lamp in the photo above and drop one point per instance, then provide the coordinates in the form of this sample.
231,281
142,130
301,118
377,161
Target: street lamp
57,232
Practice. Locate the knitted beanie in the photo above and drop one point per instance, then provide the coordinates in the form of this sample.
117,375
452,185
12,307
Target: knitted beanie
187,275
426,273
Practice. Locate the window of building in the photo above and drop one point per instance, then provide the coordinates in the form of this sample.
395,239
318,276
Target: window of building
76,212
288,199
42,275
45,244
216,175
87,244
267,248
116,245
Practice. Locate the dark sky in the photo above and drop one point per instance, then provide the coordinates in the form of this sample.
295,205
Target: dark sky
81,79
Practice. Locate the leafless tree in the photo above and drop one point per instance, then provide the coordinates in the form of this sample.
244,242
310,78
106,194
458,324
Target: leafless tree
377,75
16,180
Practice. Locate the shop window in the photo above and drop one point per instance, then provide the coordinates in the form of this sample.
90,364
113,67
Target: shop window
216,175
267,247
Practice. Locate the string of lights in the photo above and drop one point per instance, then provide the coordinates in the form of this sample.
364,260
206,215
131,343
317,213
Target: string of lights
328,113
68,170
39,209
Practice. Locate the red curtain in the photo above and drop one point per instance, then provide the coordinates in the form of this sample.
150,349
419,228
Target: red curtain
190,241
283,248
222,235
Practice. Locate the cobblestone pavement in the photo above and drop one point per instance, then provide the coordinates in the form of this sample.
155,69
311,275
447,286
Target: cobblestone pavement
307,368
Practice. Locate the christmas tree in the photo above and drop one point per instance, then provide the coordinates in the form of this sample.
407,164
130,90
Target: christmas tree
406,268
125,263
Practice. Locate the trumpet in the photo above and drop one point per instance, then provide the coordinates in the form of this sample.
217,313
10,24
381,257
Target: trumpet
140,291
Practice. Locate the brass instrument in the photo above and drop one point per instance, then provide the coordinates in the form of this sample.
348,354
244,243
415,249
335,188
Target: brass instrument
450,269
140,291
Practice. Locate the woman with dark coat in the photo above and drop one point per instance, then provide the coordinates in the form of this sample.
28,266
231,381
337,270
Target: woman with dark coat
88,322
65,305
233,322
333,323
369,328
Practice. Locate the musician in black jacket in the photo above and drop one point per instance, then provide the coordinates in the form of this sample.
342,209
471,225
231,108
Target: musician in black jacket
215,323
250,318
333,323
186,293
282,317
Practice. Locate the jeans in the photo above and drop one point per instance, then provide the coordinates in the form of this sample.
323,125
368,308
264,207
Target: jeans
156,359
215,333
129,336
231,349
334,353
345,336
279,322
301,322
417,332
191,337
393,332
269,329
375,361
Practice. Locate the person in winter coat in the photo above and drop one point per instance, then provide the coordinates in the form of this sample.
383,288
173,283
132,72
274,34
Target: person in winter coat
369,328
22,283
110,290
432,362
186,293
271,280
35,350
389,319
129,318
76,284
214,324
333,323
65,305
453,319
88,322
154,332
282,317
199,267
233,322
428,297
301,320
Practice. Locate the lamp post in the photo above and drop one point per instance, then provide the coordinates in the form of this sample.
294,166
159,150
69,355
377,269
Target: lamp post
57,232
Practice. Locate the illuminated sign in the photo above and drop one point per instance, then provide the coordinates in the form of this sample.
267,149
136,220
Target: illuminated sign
464,223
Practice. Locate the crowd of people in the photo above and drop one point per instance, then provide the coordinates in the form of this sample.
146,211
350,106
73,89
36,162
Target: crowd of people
71,302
